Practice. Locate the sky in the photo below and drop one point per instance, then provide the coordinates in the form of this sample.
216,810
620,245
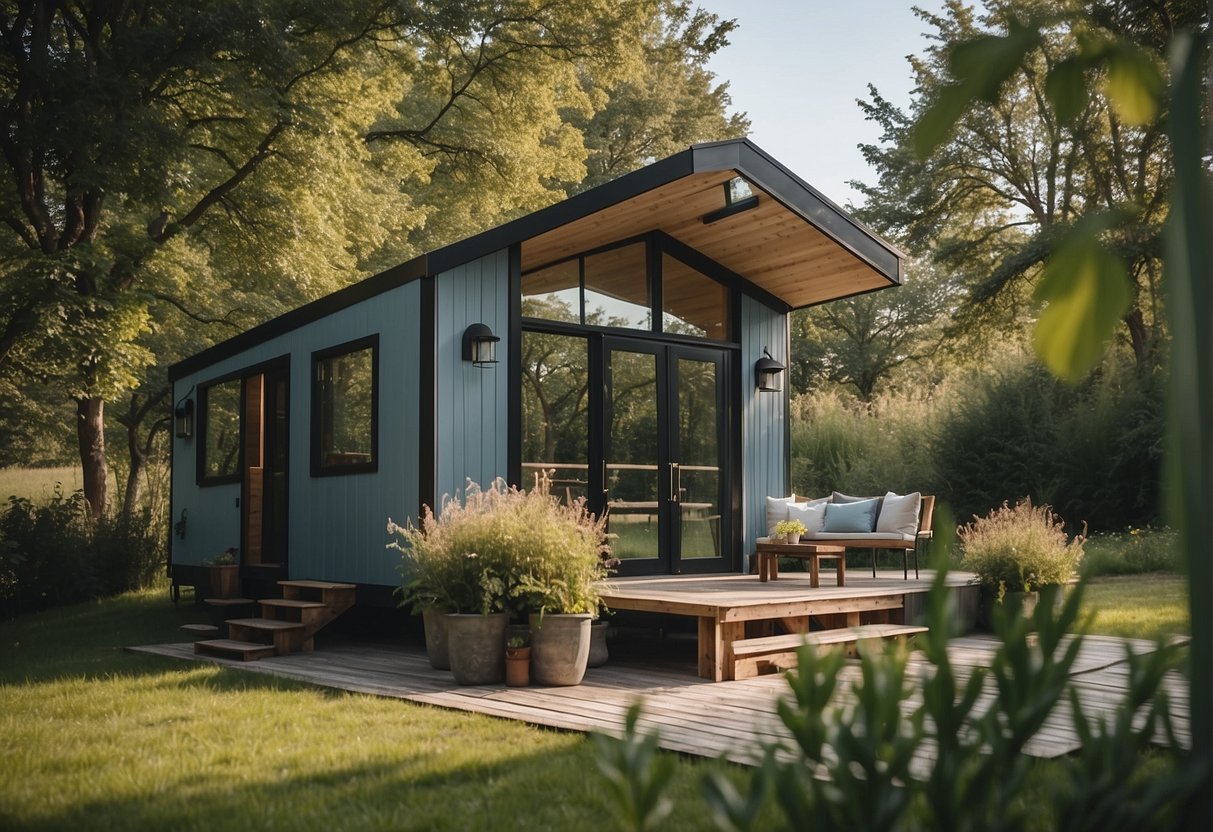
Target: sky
798,66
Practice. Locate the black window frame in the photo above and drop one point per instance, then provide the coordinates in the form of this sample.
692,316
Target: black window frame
318,467
201,477
658,243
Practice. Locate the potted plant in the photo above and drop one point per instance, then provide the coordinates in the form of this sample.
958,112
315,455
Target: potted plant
1019,555
561,559
224,573
461,565
517,660
790,530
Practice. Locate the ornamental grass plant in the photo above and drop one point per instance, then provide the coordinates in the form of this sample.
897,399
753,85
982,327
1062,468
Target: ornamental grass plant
1020,548
503,549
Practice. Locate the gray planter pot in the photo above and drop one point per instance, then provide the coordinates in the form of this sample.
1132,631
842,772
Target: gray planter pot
436,639
598,644
476,647
560,648
1019,604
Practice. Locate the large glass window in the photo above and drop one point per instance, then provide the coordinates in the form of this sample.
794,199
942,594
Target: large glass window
345,393
555,413
220,408
614,288
617,288
691,302
553,293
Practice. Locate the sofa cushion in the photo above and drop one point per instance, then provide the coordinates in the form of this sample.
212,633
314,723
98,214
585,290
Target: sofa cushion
899,513
812,514
853,518
839,497
777,511
828,536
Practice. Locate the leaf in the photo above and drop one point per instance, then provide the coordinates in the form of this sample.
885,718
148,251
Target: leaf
1087,290
1134,84
1066,87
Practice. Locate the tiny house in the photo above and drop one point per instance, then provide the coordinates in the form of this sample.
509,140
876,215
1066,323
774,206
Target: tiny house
627,346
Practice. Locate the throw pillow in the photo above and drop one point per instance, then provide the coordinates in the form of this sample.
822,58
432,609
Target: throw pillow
812,514
899,513
777,511
851,518
838,497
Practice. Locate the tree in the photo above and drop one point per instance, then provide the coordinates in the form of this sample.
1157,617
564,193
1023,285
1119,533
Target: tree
863,341
1017,174
170,156
669,104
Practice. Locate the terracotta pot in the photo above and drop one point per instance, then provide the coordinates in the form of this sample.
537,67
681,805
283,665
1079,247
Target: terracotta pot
436,639
518,666
476,647
560,647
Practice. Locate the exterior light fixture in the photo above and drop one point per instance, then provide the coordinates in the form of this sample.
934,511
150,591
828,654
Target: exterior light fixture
769,373
183,418
480,345
738,197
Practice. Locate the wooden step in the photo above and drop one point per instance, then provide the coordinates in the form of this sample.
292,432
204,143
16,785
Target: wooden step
246,651
200,629
316,585
287,636
291,603
228,602
754,656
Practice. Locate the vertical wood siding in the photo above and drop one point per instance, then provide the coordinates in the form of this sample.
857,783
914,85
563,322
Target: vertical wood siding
764,427
337,524
472,439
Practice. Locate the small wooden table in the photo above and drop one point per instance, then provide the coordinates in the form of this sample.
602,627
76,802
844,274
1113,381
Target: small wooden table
770,553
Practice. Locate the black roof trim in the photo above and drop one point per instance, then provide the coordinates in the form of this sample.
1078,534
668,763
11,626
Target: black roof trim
317,309
740,155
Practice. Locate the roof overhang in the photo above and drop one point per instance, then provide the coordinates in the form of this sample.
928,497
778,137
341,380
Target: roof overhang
796,245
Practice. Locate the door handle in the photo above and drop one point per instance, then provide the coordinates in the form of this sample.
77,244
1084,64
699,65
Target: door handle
675,483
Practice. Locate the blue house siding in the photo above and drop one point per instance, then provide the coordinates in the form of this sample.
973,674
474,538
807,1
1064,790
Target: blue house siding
764,420
336,523
472,419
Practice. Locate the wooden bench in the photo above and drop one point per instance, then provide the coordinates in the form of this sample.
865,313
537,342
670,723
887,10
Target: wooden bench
755,656
906,547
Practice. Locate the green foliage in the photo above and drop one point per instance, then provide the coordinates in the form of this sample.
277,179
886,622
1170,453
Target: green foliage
636,774
840,444
954,758
1092,450
1133,552
503,549
54,553
1020,549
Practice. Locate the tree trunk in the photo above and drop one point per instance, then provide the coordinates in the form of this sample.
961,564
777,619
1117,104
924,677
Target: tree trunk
134,478
90,434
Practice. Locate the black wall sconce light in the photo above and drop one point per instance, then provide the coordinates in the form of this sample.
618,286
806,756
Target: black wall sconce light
769,373
480,345
738,197
183,418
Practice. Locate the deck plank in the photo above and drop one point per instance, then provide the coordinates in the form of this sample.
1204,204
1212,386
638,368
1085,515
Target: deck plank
693,716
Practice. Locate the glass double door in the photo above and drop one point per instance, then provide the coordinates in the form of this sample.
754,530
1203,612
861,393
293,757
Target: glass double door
662,456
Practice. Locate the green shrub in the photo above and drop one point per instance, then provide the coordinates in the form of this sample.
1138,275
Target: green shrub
503,549
1020,549
1131,553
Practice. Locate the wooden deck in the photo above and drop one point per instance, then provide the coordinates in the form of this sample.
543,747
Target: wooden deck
694,716
725,606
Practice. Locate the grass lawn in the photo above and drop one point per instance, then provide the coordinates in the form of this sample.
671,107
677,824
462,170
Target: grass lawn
38,484
94,737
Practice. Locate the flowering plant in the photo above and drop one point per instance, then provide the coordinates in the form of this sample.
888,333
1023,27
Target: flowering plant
503,549
785,527
1020,549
